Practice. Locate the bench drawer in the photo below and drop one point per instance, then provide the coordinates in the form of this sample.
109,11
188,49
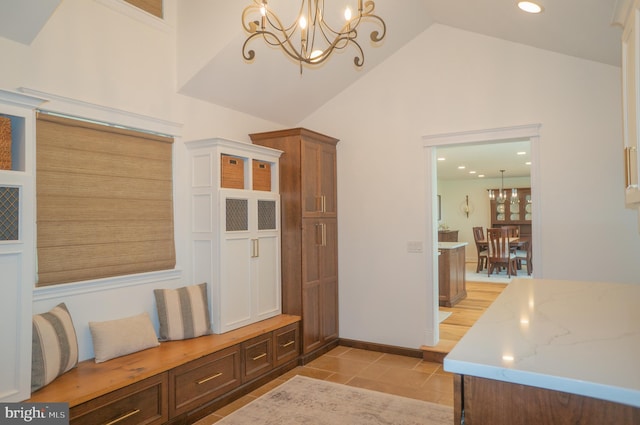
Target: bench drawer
287,343
145,402
257,354
204,379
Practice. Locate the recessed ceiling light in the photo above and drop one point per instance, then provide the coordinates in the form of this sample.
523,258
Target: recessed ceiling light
472,172
461,167
530,7
527,163
480,175
521,153
441,159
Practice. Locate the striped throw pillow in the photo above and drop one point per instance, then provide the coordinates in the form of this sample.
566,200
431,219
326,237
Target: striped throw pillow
183,313
54,346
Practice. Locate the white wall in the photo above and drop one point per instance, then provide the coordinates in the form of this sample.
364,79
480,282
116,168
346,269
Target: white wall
447,80
108,57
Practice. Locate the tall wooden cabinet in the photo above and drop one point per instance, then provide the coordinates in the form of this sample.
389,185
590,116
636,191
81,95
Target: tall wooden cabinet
309,233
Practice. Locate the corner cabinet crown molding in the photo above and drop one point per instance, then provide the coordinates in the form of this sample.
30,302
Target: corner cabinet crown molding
235,230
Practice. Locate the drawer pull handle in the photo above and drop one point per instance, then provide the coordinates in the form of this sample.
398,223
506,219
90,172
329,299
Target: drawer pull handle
289,343
202,381
123,417
259,357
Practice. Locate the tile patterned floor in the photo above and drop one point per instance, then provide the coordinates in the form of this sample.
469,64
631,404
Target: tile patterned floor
399,375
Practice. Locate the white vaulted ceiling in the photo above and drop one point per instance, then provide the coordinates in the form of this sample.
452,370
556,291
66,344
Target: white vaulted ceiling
211,66
22,20
210,36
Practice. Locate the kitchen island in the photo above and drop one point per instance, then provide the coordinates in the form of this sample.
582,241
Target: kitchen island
551,352
452,282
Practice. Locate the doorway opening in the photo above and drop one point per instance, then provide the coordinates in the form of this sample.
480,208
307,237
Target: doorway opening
431,144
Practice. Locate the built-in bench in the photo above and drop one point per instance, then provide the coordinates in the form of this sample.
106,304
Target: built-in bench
178,381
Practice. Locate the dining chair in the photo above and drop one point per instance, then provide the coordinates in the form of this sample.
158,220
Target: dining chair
481,248
499,254
524,254
513,231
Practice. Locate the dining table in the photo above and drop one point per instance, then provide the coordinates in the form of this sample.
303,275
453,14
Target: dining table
515,242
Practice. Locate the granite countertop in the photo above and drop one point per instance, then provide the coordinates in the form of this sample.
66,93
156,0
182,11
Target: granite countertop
451,245
576,337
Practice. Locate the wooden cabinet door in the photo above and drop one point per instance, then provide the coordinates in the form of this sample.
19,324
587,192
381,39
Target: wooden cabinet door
311,317
329,280
311,197
311,244
145,402
318,180
286,343
328,186
257,356
199,381
329,312
320,281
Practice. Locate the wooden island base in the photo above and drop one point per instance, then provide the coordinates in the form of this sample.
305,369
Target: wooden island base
487,401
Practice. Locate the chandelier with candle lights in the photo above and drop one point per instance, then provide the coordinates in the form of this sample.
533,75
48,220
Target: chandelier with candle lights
309,39
502,194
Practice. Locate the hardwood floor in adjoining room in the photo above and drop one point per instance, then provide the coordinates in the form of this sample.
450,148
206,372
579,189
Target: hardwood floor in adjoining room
464,314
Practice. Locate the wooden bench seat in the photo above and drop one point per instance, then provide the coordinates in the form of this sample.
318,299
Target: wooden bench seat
90,381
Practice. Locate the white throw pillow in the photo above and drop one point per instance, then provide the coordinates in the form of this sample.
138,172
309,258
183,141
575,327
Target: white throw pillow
115,338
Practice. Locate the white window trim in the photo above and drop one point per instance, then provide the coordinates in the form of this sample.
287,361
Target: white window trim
72,107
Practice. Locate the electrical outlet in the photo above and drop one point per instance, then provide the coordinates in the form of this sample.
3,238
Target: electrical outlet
414,246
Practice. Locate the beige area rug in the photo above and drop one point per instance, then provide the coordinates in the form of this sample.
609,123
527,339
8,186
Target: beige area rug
308,401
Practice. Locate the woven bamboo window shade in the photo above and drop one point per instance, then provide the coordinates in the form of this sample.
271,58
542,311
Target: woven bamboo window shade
104,201
153,7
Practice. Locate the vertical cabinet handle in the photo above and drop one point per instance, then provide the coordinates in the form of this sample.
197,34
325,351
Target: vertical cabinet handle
322,200
318,234
255,248
626,168
629,152
321,234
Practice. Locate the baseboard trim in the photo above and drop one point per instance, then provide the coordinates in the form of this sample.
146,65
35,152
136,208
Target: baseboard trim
382,348
309,357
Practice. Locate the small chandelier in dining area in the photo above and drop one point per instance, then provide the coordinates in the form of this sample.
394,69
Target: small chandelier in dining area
310,39
502,195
